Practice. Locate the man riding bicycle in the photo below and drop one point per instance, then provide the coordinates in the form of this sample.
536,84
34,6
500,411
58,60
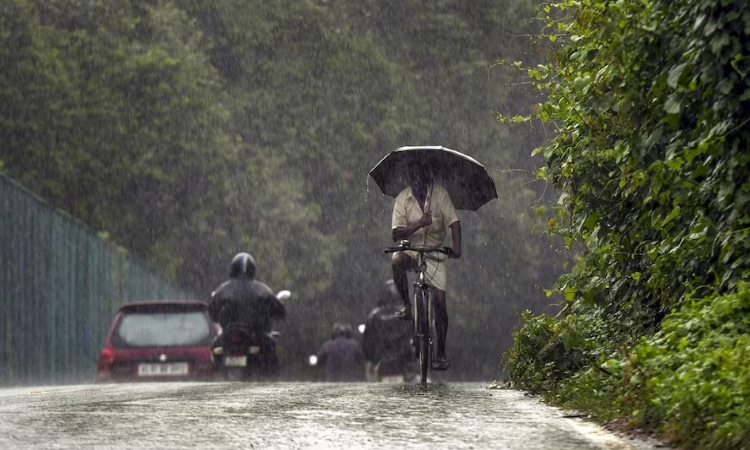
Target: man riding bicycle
422,214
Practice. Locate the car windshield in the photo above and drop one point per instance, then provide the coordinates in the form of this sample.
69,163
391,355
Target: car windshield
171,329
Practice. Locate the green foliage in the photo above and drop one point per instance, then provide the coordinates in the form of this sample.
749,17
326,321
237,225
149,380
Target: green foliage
649,104
692,379
186,131
547,351
650,152
526,366
114,114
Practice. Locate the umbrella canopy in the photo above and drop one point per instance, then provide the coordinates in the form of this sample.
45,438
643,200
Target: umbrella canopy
465,179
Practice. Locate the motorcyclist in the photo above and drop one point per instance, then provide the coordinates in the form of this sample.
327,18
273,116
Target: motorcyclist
341,356
386,337
246,301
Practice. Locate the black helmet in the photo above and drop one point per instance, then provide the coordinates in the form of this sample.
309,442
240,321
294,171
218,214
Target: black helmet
243,265
341,330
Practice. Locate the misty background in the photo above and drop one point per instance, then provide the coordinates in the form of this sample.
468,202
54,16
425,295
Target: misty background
186,131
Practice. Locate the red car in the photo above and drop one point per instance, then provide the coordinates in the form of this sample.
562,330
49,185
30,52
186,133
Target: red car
159,341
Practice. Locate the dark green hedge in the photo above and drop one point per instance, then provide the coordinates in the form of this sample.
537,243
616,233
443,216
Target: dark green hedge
650,105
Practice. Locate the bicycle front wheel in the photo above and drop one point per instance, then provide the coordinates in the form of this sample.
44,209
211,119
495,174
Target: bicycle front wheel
423,334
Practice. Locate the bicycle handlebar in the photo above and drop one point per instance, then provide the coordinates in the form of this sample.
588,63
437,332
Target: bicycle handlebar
444,250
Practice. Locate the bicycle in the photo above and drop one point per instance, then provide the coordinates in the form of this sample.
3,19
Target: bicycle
424,320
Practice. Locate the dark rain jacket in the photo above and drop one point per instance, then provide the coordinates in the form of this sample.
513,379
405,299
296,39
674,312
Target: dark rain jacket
247,301
385,335
342,360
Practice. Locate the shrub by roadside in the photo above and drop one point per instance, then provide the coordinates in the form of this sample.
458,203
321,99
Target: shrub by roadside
692,379
690,382
649,104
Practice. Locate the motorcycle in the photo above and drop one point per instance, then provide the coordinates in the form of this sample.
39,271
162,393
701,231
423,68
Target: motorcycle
245,353
394,364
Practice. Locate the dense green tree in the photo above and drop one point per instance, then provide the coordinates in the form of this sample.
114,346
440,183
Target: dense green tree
112,114
649,102
187,131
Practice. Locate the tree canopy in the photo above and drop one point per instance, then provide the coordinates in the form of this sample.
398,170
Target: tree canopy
187,131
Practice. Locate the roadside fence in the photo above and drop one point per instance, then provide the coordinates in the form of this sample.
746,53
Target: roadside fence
60,286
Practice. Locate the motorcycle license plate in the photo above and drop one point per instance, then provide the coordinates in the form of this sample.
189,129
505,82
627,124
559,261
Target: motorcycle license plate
164,369
235,361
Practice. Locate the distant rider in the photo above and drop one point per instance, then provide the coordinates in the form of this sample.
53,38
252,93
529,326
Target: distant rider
341,356
246,301
386,337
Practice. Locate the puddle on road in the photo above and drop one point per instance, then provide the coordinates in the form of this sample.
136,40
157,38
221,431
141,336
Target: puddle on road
297,415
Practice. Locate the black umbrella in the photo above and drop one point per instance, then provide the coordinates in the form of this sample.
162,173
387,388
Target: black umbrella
465,179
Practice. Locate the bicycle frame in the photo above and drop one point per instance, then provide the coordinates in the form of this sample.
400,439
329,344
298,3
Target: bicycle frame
424,320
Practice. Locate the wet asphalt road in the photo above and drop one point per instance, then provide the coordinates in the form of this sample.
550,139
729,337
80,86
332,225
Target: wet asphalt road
289,416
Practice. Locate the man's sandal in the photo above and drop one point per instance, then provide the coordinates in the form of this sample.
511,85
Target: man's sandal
441,364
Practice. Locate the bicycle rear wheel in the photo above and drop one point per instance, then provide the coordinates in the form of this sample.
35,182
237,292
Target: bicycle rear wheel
423,334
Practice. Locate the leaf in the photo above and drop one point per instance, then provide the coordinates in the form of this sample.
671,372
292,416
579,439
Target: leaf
569,293
591,221
653,138
675,74
726,85
674,120
710,27
673,104
698,234
675,212
741,64
692,153
719,42
699,21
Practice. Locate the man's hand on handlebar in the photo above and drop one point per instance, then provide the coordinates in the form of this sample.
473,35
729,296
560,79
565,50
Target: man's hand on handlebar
453,254
404,246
